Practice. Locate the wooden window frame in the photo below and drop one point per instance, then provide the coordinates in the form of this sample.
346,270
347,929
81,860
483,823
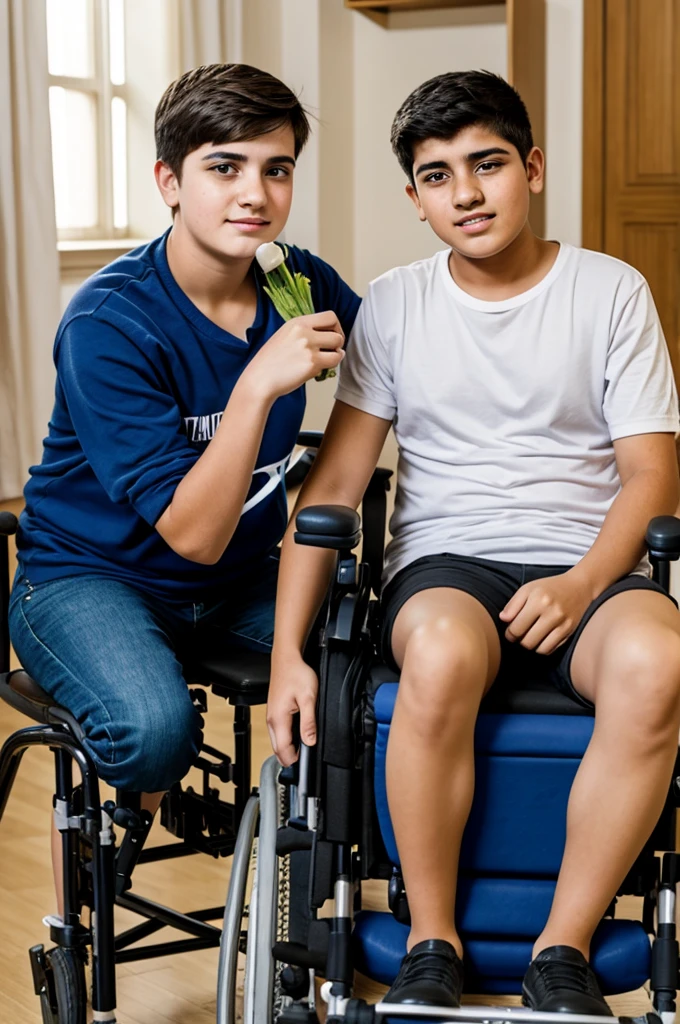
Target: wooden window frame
99,86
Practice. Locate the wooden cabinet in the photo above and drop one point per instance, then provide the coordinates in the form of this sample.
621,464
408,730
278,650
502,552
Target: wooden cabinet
631,144
525,21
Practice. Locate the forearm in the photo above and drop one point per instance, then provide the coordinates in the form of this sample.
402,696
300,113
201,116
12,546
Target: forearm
207,504
620,544
304,577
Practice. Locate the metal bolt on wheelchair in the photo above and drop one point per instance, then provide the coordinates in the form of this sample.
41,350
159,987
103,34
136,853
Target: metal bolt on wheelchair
325,828
97,867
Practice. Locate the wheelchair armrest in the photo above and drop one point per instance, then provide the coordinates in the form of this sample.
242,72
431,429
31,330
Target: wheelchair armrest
663,538
328,526
8,524
310,438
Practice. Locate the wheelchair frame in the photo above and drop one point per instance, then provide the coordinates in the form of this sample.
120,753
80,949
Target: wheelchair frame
97,873
332,820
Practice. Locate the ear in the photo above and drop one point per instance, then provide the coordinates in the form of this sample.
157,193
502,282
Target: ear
167,182
535,167
413,196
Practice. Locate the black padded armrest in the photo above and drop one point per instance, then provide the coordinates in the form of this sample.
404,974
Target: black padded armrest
310,438
663,537
8,524
328,526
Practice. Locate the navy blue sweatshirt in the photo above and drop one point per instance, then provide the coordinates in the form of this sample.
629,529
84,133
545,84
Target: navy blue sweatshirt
143,378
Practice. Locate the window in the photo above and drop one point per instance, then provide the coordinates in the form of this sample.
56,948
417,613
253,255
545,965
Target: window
88,117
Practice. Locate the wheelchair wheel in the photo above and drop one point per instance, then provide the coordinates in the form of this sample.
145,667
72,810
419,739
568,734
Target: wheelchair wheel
252,928
63,999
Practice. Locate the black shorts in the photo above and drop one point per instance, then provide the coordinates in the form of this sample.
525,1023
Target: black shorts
493,584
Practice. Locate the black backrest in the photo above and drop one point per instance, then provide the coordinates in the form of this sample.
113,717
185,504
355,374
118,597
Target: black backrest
8,527
373,517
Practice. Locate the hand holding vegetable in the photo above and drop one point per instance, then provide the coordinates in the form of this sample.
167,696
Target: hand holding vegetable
290,293
298,351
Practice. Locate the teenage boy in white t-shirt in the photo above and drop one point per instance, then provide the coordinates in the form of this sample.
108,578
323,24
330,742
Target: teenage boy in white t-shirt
533,402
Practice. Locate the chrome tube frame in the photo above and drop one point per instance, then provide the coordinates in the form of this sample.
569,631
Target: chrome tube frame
233,914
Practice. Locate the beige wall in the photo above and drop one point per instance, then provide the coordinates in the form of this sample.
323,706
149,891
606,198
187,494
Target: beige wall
388,65
564,119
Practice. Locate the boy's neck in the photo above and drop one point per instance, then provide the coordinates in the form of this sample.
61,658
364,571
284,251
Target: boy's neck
221,288
514,270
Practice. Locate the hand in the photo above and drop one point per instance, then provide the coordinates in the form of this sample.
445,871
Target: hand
293,687
542,614
298,351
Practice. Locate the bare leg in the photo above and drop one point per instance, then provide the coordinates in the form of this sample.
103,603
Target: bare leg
149,802
448,649
628,663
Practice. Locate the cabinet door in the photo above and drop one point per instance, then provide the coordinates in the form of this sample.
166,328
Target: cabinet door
641,194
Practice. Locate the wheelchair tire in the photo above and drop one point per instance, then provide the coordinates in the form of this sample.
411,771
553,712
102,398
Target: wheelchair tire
255,920
269,909
64,998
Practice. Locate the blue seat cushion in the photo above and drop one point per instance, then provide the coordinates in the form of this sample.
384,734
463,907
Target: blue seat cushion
514,735
621,955
525,765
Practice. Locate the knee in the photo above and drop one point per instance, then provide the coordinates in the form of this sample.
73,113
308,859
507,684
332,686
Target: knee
152,751
646,671
445,669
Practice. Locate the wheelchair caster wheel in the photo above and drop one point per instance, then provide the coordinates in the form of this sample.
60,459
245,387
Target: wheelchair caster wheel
59,977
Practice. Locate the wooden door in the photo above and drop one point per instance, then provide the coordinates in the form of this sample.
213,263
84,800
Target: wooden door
631,158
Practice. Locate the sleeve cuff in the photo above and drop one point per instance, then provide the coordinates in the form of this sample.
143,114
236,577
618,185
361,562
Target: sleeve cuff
366,404
150,497
656,425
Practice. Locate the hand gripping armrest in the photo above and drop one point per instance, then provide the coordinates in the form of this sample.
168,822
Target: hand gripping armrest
663,538
328,526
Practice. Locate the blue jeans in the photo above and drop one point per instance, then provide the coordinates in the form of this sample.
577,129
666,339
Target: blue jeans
112,655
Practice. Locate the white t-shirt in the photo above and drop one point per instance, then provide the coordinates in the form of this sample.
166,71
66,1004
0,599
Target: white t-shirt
505,412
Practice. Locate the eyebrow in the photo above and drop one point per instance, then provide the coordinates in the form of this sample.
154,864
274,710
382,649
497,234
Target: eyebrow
479,154
242,158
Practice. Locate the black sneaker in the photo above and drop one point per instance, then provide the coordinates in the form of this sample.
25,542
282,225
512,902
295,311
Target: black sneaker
430,975
560,980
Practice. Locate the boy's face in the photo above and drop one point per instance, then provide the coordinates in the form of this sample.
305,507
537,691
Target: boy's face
474,190
233,195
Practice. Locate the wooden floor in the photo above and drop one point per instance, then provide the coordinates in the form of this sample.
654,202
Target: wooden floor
172,990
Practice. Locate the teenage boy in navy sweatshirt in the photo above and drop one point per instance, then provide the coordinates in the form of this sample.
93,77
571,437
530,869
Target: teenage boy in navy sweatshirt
534,407
154,517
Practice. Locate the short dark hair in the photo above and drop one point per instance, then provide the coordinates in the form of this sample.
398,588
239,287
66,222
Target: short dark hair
220,103
443,106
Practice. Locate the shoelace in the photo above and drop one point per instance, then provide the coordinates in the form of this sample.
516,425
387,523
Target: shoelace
431,967
558,974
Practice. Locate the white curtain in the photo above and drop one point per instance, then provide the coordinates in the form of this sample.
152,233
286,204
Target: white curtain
29,266
203,30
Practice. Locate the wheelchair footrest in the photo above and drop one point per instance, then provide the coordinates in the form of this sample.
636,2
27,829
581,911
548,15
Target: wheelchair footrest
394,1012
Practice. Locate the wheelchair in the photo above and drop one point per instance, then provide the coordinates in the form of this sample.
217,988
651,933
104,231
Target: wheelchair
98,867
324,828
